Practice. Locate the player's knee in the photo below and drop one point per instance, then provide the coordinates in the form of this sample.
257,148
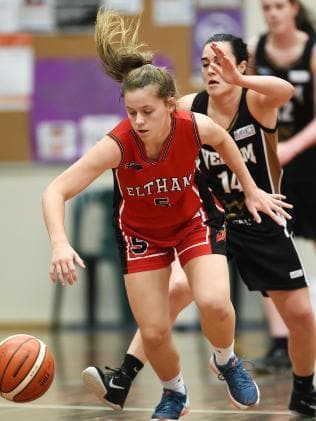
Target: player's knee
301,316
155,337
216,309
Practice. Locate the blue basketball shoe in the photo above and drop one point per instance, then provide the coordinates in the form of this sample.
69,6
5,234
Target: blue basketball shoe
172,406
242,389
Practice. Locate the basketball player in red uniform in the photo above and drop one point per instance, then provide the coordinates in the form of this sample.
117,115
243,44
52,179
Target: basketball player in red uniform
157,212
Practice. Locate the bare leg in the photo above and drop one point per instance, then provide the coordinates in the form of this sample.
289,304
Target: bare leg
276,358
277,327
153,340
296,310
180,296
154,326
212,296
209,278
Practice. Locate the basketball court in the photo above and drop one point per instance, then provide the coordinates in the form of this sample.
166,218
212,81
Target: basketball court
74,350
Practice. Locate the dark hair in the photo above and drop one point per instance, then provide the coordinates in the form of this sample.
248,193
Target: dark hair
122,58
239,47
303,21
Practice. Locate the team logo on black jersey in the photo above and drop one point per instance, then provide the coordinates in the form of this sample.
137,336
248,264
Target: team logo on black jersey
134,165
244,132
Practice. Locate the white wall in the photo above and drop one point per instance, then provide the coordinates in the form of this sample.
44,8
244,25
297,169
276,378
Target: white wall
27,291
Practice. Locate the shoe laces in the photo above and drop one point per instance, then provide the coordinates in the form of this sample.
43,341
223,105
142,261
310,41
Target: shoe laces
236,373
170,401
115,371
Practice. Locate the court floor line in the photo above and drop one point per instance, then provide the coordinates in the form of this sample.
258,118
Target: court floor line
136,409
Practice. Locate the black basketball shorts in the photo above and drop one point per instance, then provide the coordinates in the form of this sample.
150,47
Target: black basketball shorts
265,255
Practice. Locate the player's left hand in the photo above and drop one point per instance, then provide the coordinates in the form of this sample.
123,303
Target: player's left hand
224,67
269,203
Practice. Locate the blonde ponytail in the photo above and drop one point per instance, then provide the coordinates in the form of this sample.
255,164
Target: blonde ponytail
122,58
117,44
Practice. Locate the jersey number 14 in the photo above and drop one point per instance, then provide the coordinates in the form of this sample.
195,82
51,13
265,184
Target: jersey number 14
229,182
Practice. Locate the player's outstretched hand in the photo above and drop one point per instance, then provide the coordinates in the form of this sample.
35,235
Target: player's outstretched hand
63,262
271,204
223,66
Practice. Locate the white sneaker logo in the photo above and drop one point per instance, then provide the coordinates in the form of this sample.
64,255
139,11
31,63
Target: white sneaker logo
114,386
307,404
136,370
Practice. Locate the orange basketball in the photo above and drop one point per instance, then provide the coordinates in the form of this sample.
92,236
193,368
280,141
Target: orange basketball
26,368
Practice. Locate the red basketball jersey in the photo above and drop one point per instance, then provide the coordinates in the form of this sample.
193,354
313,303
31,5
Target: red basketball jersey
154,198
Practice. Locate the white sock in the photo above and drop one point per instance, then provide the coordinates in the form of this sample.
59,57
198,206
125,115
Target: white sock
176,384
222,355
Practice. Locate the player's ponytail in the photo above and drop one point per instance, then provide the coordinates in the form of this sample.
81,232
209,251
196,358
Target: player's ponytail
117,44
122,56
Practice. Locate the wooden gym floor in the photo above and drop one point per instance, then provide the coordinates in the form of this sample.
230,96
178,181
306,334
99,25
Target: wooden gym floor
73,350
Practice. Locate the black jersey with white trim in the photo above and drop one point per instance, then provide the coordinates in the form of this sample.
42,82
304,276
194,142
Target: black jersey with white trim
299,110
257,146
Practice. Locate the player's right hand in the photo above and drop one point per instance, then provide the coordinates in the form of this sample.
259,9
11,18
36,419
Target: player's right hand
62,267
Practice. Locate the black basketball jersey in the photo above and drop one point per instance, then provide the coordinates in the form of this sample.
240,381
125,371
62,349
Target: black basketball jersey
299,110
257,146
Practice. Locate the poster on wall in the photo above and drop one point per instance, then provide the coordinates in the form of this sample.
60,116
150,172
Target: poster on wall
218,3
16,72
76,15
9,16
37,15
27,15
74,105
173,12
209,21
125,7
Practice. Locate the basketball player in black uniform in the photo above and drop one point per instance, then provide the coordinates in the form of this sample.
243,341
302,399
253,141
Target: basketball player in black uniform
265,254
288,51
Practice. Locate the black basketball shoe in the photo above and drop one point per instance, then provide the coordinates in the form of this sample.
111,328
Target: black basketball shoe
111,387
276,361
303,403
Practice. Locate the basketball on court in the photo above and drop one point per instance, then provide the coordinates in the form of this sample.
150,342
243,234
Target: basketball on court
26,368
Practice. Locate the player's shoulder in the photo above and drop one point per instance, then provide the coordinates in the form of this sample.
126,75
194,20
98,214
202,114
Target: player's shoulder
186,101
188,116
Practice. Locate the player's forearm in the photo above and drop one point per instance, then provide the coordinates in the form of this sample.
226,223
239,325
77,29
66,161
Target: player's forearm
304,139
270,86
53,206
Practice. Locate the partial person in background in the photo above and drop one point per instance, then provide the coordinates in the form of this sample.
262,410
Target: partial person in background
157,212
288,51
246,106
